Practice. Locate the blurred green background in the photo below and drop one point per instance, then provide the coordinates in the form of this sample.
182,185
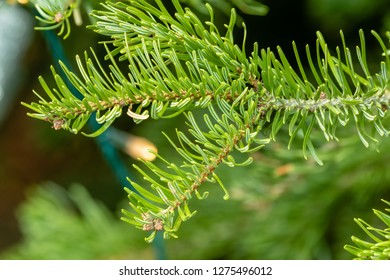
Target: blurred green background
60,199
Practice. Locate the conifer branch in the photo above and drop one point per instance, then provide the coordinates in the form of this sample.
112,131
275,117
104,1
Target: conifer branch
201,157
175,64
379,246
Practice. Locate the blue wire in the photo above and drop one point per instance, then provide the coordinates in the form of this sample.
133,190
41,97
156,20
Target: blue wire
108,150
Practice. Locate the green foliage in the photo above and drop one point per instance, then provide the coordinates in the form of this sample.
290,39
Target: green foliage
379,247
284,208
280,207
56,14
69,224
175,64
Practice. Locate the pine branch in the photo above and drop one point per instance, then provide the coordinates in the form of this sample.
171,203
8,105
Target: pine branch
175,64
202,156
379,249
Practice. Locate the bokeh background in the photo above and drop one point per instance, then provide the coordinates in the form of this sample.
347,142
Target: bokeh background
60,199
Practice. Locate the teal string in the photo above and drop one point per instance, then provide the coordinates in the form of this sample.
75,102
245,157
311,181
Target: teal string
109,152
